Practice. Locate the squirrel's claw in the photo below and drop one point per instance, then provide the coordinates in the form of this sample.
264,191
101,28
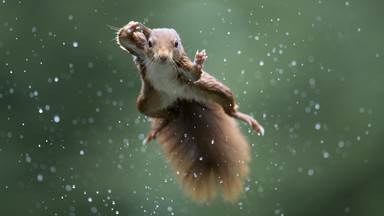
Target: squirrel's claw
200,58
256,126
132,27
259,129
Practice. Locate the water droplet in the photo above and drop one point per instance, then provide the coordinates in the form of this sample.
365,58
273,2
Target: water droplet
300,169
40,177
56,119
311,172
326,155
68,187
28,158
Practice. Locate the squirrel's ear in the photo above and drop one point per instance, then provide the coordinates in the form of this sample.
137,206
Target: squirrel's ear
146,31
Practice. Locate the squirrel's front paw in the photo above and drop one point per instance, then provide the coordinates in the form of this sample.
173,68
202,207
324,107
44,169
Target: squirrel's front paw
131,27
200,58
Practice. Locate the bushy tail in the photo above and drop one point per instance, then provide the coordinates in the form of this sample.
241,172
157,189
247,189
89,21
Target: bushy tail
206,150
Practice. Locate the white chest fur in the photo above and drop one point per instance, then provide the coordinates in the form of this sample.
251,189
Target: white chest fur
164,79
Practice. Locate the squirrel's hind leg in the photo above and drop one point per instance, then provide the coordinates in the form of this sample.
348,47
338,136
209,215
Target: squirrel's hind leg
251,121
221,94
157,125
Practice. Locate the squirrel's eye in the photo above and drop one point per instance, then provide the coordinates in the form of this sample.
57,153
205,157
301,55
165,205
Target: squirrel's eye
149,44
176,44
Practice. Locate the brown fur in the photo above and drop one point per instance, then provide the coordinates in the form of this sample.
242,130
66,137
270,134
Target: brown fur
206,150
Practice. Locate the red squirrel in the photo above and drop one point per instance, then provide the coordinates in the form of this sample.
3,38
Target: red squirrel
191,114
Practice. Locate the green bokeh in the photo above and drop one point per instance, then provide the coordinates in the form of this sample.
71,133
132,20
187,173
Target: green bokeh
311,72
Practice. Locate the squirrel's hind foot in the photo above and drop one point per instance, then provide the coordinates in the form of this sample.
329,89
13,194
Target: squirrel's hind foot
251,121
157,125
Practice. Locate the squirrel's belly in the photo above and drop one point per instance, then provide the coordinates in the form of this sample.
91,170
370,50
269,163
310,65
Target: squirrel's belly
163,78
173,91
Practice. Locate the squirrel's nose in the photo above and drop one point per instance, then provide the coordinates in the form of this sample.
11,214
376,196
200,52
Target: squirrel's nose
163,58
163,55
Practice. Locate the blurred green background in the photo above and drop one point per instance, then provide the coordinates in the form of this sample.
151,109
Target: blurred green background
311,72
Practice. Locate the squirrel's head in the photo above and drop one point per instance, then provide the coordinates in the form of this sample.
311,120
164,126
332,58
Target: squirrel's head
163,44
